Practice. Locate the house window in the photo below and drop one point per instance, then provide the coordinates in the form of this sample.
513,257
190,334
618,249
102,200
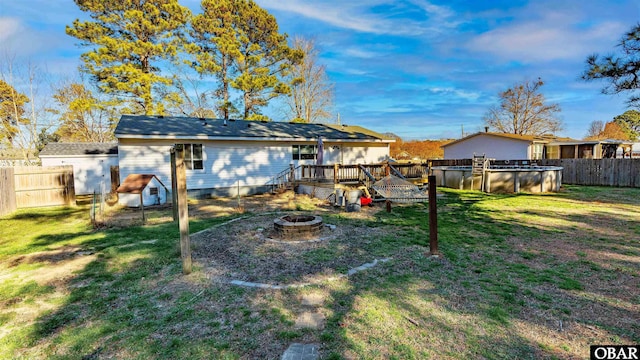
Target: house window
193,156
553,152
304,152
153,191
537,151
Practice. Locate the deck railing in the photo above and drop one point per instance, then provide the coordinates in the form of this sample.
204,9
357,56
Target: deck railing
363,174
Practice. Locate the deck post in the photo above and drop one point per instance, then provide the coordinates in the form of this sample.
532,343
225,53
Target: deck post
183,210
433,217
335,173
292,174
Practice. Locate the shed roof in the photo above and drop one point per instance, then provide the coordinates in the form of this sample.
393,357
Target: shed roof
172,127
77,149
526,138
135,183
590,142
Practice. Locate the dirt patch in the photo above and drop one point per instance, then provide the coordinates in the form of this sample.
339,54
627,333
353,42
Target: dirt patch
244,250
121,216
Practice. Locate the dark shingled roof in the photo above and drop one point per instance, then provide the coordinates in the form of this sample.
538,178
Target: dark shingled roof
66,149
184,127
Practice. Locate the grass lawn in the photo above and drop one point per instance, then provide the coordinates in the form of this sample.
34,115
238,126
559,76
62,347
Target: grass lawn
519,276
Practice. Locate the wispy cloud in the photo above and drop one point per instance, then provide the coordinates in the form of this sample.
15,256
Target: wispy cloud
544,37
459,93
357,15
8,28
360,53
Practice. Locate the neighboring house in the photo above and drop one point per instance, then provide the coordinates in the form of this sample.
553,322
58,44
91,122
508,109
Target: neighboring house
227,156
502,146
91,163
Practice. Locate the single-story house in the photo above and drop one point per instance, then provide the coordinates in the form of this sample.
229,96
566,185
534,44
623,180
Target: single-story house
91,163
224,157
501,146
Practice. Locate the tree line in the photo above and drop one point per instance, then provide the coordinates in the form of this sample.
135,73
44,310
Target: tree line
156,57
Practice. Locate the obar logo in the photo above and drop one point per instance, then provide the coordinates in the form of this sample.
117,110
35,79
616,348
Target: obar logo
609,352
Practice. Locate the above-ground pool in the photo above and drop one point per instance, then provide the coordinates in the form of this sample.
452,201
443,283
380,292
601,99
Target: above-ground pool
503,179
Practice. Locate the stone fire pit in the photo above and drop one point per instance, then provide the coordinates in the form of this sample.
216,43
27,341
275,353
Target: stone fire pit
292,227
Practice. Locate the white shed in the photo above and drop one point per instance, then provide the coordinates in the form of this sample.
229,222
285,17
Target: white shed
91,163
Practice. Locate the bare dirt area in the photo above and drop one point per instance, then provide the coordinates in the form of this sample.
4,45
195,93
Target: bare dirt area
249,250
119,216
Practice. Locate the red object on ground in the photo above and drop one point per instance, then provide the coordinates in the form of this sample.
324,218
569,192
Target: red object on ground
365,201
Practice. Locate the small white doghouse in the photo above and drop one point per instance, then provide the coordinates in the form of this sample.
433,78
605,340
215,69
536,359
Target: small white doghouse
142,190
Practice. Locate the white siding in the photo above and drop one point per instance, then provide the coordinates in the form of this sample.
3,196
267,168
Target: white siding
226,164
231,163
492,146
90,172
364,154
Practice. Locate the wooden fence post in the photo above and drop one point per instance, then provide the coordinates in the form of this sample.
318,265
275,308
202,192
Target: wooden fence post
115,178
183,210
433,217
8,191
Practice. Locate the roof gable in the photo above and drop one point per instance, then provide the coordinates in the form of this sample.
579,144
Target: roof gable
132,126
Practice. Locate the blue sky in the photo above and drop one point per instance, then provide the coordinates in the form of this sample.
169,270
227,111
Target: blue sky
420,69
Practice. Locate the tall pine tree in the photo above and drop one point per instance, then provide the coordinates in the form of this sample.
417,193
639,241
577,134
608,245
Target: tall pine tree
265,58
128,40
216,45
238,43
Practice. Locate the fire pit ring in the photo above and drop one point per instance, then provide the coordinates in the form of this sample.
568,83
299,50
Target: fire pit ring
292,227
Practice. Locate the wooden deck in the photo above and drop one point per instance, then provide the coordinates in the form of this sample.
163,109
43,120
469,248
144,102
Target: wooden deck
359,174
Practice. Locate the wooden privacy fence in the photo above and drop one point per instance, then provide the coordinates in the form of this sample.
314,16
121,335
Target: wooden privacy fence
600,172
43,186
7,191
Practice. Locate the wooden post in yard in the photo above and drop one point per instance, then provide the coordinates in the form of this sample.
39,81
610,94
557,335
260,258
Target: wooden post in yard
174,186
183,210
144,220
433,217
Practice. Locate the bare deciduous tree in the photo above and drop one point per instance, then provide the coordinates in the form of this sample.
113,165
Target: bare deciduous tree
26,79
595,128
311,98
523,111
187,97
